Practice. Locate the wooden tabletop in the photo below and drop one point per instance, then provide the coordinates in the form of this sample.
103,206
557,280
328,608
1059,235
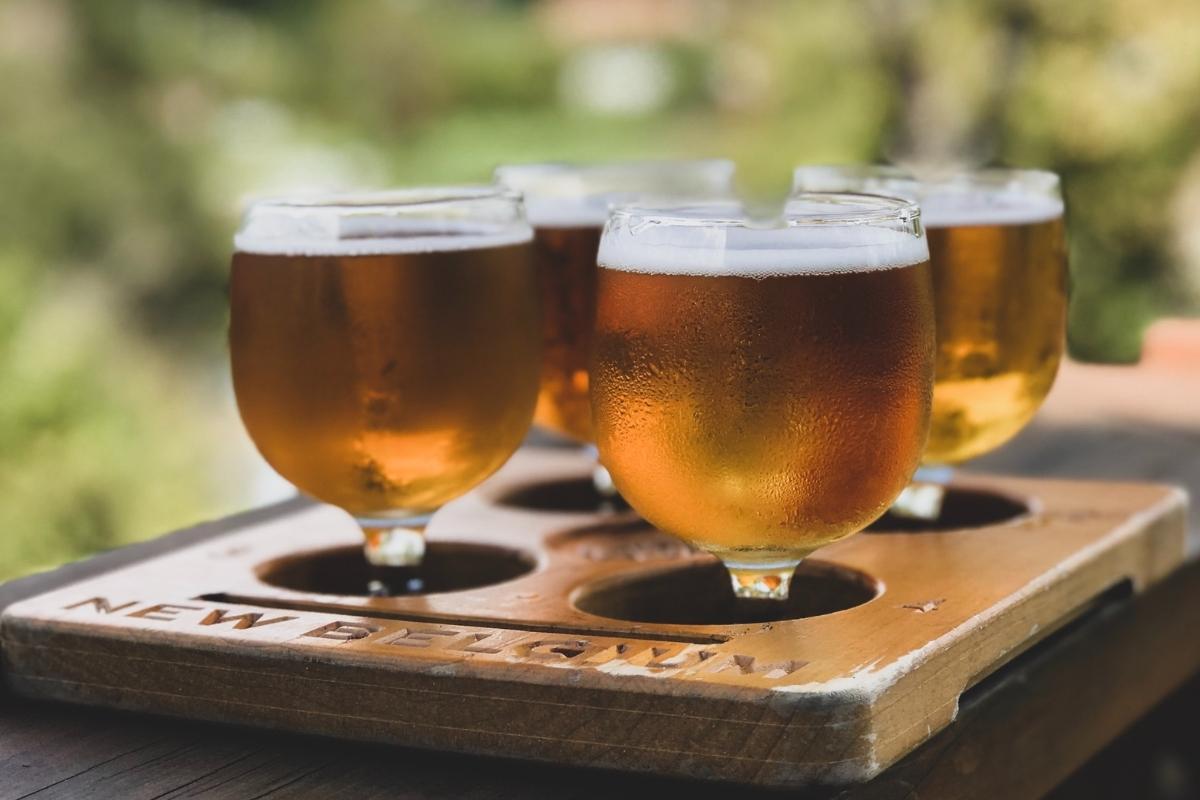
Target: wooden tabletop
1021,733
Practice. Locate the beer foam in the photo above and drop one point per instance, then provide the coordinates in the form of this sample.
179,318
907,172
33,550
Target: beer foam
330,235
561,195
967,199
974,207
759,252
569,212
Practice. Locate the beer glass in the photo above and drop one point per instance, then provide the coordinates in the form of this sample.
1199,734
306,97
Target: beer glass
567,205
763,390
385,348
997,245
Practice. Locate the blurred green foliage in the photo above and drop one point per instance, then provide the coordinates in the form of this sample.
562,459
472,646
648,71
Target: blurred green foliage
133,128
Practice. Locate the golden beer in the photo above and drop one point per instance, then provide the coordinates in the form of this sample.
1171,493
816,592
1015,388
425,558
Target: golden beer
763,401
567,205
1001,298
566,257
390,371
997,245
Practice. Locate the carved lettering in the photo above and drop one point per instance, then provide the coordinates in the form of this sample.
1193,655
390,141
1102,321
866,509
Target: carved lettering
471,643
343,631
667,657
163,612
418,637
782,669
555,649
749,665
659,656
101,605
609,654
621,651
674,657
251,619
744,663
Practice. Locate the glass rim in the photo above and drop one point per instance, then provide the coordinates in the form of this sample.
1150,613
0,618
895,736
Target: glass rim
883,175
1046,175
379,200
869,208
401,220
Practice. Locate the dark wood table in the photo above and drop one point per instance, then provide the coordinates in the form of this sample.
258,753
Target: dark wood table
1107,707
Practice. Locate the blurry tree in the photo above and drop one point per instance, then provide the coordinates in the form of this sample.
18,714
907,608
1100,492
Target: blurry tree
133,129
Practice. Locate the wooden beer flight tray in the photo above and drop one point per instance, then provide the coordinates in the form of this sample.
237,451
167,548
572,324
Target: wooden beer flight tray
595,651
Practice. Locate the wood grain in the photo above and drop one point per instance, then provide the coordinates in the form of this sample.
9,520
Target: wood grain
1027,721
518,669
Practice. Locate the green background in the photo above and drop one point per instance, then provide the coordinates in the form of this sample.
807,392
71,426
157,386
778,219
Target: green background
132,130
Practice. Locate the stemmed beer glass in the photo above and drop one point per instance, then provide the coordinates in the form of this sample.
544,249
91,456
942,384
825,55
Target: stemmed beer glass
385,348
997,244
567,205
763,390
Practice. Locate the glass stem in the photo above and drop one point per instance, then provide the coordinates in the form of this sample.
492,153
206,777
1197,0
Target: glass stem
394,542
939,474
762,581
602,480
924,495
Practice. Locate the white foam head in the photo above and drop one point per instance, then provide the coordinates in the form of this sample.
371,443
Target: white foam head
561,195
384,223
818,234
946,208
965,199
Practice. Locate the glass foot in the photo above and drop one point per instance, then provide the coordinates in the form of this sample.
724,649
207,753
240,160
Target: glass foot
922,499
394,544
767,583
602,480
603,483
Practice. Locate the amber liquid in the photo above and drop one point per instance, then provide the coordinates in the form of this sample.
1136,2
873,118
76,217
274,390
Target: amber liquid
1001,298
761,418
386,385
566,259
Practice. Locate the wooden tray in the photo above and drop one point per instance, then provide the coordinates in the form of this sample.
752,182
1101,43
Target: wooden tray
599,641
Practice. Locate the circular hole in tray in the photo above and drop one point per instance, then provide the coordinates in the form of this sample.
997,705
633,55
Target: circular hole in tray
448,567
699,593
961,509
620,538
566,494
